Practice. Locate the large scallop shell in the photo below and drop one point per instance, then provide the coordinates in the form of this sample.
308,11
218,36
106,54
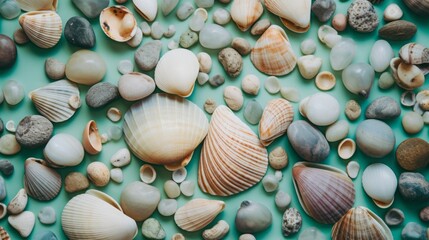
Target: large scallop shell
197,213
118,23
294,14
37,5
40,181
245,13
94,215
272,53
360,223
43,28
325,193
165,129
57,101
275,120
232,158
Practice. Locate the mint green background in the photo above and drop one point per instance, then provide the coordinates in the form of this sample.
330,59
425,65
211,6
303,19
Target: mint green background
29,71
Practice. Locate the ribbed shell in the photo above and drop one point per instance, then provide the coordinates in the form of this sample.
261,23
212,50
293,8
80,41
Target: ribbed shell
40,181
165,129
197,213
272,53
37,5
3,234
96,216
276,118
418,6
43,28
148,9
245,13
360,223
325,193
232,158
295,15
57,101
414,53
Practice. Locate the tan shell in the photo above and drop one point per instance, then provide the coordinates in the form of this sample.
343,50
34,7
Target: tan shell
43,28
197,213
147,173
407,76
148,9
118,23
232,158
276,118
37,5
3,234
246,12
272,53
346,148
325,81
418,6
295,15
40,181
414,53
91,139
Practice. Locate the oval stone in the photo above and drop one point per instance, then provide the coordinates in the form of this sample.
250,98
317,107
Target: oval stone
413,186
381,54
78,31
7,52
375,138
101,94
383,108
85,67
214,36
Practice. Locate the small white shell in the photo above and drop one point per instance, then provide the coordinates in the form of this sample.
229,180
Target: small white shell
380,182
147,173
121,158
63,150
114,114
346,148
187,188
272,85
325,81
10,126
353,168
179,175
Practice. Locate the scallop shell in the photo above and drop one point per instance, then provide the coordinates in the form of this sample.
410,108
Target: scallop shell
414,53
57,101
91,139
360,223
3,234
275,120
118,23
37,5
148,9
295,15
346,148
40,181
325,193
245,13
43,28
165,129
232,158
197,213
420,7
272,53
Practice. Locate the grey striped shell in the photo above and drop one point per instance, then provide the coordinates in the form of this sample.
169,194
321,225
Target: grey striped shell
40,181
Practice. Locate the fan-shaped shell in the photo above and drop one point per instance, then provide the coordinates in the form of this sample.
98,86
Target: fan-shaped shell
245,13
295,15
272,53
118,23
325,193
197,213
165,129
414,53
360,223
37,5
275,120
40,181
43,28
420,7
95,215
57,101
232,158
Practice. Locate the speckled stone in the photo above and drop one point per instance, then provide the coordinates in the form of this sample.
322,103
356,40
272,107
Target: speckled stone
362,16
101,94
78,31
147,56
323,9
34,131
383,108
75,181
188,39
231,61
292,222
413,186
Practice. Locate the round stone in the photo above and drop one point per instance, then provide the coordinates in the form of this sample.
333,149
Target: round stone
7,52
13,92
362,16
241,45
292,222
55,69
34,131
216,80
412,122
85,67
100,94
147,56
47,215
78,31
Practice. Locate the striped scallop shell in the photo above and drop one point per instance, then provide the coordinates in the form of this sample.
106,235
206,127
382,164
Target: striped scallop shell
325,193
245,13
40,181
37,5
43,28
232,158
275,120
360,223
57,101
197,213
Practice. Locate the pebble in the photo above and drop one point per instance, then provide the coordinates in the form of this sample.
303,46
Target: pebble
253,112
278,174
353,110
272,85
198,20
34,131
204,3
251,84
101,94
233,97
184,11
147,56
85,67
8,52
172,189
10,126
115,132
353,169
246,236
413,186
1,121
392,12
292,222
214,36
362,16
125,66
167,207
290,93
270,183
339,22
308,46
216,80
116,175
205,62
23,223
45,235
221,16
145,27
157,30
342,54
167,6
260,26
20,37
386,80
412,122
171,31
394,217
398,30
137,39
135,86
414,231
187,188
202,78
13,92
241,45
173,44
282,200
383,108
413,154
380,56
2,189
337,131
18,203
91,8
78,31
9,9
188,38
311,233
9,145
152,229
47,215
75,181
231,61
424,214
98,173
210,105
323,9
278,158
6,168
55,69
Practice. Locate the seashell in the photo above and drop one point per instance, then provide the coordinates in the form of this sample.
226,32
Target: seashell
96,215
410,76
43,28
358,78
230,142
147,173
63,150
91,139
325,193
295,15
179,175
114,114
408,98
98,173
325,81
40,181
173,121
118,23
272,53
252,217
197,213
422,99
342,54
346,148
148,9
275,120
394,217
218,231
379,182
360,223
57,101
32,5
353,169
139,200
414,53
177,71
3,234
321,109
419,7
399,30
245,13
309,66
328,35
375,138
3,212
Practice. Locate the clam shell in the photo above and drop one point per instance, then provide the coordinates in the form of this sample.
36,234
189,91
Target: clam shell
63,150
245,13
38,5
165,129
40,181
346,148
295,15
272,53
360,223
232,158
148,9
118,23
325,193
95,215
379,182
57,101
91,139
197,213
147,173
414,53
43,28
420,7
275,120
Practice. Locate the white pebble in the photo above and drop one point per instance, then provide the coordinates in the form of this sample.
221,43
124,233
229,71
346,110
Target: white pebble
167,207
250,84
115,133
289,93
157,30
187,188
179,175
171,30
270,183
412,122
272,85
278,174
392,12
282,200
121,158
205,62
308,47
137,39
146,30
173,44
47,215
104,138
221,16
125,66
10,126
13,92
202,78
116,175
172,189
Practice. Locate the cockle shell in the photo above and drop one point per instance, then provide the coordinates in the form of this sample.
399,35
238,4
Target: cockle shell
379,182
232,158
272,53
148,9
40,181
197,213
43,28
245,13
37,5
165,129
57,101
420,7
63,150
94,215
118,23
360,223
325,193
295,15
275,120
91,139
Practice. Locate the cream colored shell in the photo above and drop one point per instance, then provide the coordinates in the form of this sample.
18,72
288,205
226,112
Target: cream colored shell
148,9
245,13
276,118
118,23
37,5
294,14
43,28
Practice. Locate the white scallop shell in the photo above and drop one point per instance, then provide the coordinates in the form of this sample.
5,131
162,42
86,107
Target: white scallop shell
379,182
43,28
245,13
37,5
40,181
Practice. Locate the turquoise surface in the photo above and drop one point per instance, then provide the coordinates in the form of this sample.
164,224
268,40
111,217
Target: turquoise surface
29,70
